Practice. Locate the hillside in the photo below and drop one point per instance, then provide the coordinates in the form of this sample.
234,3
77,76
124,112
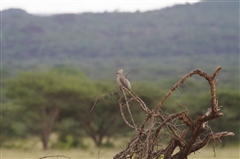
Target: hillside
167,43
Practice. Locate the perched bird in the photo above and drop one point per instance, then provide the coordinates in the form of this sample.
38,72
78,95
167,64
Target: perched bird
122,81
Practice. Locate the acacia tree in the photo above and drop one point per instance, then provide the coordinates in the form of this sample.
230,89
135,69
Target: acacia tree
147,143
41,96
99,119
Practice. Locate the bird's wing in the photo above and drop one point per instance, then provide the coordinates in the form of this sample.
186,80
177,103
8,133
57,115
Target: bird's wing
122,80
128,84
125,82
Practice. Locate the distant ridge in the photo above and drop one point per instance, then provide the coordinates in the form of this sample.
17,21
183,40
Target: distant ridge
170,37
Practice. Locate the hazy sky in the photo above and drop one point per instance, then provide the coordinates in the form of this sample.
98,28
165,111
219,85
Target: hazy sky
78,6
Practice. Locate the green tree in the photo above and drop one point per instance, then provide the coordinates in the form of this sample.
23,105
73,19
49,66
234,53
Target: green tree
41,96
101,118
230,121
11,126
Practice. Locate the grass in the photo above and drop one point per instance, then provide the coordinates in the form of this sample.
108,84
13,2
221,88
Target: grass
108,153
91,152
221,153
31,149
73,153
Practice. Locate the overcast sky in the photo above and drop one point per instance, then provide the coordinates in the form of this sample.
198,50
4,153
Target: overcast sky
79,6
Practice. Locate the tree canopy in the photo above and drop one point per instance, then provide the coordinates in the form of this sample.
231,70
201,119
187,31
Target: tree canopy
42,96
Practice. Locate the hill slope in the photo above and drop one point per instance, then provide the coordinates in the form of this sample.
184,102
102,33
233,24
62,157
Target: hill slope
166,43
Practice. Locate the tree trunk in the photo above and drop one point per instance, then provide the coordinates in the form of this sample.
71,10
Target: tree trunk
48,120
44,138
99,141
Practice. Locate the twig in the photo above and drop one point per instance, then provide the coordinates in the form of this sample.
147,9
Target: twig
102,97
52,156
129,111
98,155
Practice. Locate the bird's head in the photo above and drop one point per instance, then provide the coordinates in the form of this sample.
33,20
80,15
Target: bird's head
120,71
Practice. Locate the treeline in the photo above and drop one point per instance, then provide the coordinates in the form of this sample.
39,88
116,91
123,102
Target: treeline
65,102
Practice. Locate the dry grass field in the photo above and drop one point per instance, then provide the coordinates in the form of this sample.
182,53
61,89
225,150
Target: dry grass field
108,153
34,151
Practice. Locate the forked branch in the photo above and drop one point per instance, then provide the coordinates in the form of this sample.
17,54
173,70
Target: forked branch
156,126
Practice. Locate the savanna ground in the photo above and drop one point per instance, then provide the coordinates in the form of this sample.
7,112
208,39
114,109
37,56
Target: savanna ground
32,150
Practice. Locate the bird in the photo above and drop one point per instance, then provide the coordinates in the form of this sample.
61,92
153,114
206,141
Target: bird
122,81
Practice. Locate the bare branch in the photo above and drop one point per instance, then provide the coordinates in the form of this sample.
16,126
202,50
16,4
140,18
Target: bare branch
158,125
102,97
129,111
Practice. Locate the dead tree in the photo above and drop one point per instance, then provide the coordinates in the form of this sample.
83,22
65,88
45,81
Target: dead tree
147,143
